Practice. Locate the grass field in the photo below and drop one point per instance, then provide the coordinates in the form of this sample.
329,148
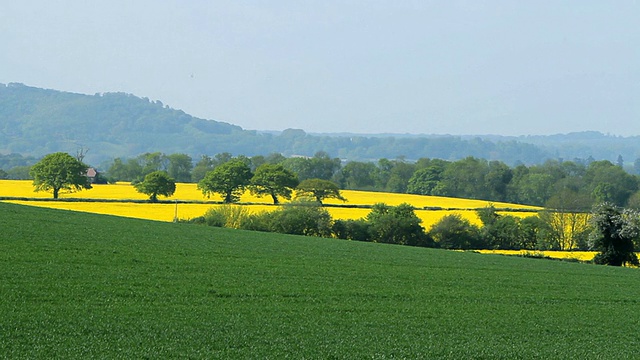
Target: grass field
77,285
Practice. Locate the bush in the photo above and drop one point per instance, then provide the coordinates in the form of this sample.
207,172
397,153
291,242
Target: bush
229,216
396,225
454,232
301,218
258,222
351,230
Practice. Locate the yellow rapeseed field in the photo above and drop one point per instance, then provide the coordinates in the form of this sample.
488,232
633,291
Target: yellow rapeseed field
189,192
577,255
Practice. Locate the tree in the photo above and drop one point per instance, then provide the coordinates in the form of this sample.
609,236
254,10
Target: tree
229,179
425,180
499,231
610,183
358,175
180,166
319,189
3,174
396,225
454,232
121,170
273,180
320,166
203,166
151,162
60,171
614,234
156,183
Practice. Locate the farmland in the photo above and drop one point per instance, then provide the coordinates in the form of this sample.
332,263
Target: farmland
79,285
189,193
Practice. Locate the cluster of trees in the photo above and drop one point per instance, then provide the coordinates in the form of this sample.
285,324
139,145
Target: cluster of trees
608,229
571,185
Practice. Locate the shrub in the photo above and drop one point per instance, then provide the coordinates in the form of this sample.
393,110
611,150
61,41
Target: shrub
301,218
351,230
396,225
454,232
229,216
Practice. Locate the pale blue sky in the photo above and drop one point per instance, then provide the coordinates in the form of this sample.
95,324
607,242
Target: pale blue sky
433,67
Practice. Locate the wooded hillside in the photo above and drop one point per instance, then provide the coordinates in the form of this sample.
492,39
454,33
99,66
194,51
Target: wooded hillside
35,122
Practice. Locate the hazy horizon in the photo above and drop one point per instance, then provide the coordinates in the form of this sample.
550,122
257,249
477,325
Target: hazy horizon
374,67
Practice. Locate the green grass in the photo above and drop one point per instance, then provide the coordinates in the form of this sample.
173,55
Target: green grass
76,285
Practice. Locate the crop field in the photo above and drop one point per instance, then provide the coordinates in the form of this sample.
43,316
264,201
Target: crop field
77,285
572,255
189,192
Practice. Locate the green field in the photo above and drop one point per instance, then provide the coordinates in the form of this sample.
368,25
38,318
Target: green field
77,285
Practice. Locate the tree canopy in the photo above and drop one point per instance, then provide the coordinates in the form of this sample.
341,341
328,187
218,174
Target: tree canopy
229,179
273,180
613,236
60,171
157,183
319,190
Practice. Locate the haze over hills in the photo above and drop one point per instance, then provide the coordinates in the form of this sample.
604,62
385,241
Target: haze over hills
36,121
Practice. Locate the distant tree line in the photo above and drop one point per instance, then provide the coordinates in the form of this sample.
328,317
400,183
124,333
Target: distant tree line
566,185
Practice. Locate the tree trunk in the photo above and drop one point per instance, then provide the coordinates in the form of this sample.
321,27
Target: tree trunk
55,192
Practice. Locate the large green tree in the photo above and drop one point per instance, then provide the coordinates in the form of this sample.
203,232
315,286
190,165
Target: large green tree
155,184
60,171
273,180
614,233
319,190
229,179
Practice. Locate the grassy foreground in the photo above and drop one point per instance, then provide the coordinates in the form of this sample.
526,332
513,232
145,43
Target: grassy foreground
77,285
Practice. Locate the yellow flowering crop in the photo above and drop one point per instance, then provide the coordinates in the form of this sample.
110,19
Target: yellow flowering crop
189,192
578,255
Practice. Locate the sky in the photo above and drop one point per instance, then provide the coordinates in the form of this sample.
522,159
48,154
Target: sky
422,67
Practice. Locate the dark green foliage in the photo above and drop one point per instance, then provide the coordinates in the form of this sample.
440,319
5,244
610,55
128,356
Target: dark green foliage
229,179
60,171
610,183
358,175
501,231
454,232
396,225
86,286
351,230
157,183
3,175
320,166
180,166
530,232
301,218
613,236
426,180
273,180
319,190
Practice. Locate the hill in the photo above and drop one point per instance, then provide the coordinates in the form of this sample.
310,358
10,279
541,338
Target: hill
80,285
35,122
